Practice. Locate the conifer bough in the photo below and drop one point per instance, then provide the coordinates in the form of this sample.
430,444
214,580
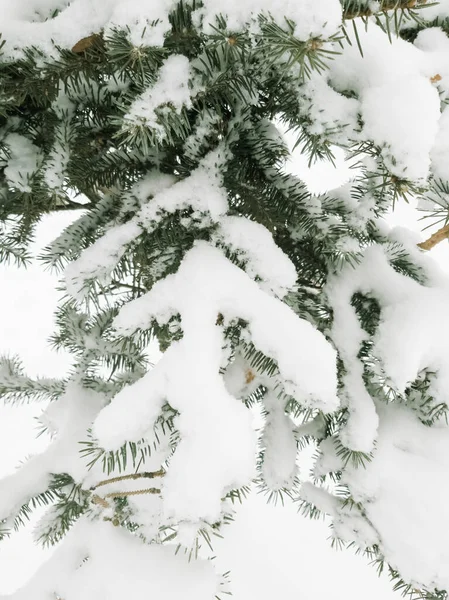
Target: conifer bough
162,123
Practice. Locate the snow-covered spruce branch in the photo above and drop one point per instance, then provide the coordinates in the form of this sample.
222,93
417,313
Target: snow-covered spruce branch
307,309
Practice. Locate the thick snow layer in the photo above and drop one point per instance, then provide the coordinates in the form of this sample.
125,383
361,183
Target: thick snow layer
70,416
97,560
279,467
440,150
404,492
240,379
393,83
406,149
55,169
412,335
375,97
434,43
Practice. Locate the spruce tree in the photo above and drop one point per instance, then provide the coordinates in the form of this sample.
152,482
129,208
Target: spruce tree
160,122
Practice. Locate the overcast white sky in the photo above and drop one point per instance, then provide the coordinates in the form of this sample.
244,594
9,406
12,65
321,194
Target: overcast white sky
273,552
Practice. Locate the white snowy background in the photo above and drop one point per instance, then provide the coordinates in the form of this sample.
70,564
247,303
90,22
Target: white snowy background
272,551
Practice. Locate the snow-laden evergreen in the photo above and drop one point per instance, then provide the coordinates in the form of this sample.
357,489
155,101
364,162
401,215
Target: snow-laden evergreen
161,122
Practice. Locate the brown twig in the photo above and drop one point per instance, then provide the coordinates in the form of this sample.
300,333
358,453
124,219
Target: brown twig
133,493
435,238
146,474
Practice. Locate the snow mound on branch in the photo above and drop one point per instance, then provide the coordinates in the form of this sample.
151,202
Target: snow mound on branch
70,417
97,560
393,82
412,335
405,493
440,151
254,244
332,114
279,460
